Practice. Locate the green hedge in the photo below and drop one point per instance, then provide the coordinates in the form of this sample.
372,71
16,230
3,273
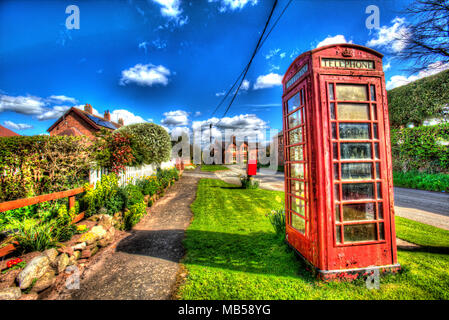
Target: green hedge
35,165
421,149
419,100
155,143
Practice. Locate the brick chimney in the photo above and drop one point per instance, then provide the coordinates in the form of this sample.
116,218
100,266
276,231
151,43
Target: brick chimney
121,122
107,115
88,108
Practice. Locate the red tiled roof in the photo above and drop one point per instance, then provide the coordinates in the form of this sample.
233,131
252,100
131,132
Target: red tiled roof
5,132
85,116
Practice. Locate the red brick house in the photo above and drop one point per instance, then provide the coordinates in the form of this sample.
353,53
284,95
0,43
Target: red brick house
76,122
237,152
5,132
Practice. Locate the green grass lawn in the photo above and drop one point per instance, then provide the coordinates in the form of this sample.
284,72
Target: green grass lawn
213,167
233,253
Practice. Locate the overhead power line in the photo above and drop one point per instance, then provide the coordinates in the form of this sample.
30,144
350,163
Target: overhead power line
245,70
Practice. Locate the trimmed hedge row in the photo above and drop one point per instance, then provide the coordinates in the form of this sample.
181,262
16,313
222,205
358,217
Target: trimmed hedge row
35,165
417,101
424,149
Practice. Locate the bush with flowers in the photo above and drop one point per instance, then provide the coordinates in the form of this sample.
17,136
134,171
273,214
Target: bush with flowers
14,264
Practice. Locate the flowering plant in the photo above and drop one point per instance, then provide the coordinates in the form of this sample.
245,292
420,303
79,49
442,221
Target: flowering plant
14,264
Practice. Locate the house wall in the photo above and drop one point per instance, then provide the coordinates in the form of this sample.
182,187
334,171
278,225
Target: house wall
73,120
239,153
280,150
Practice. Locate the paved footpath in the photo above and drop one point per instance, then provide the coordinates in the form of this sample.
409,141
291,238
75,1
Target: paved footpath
423,206
145,264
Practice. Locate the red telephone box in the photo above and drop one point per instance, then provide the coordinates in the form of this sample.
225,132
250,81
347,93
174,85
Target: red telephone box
338,171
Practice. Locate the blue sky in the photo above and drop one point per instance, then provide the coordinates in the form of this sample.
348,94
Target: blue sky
169,61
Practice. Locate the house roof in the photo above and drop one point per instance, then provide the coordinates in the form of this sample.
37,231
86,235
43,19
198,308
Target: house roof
96,122
5,132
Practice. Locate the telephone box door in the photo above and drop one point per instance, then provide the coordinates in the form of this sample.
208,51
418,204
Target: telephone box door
360,172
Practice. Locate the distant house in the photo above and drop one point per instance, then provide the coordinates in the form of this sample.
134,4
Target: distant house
5,132
237,152
76,122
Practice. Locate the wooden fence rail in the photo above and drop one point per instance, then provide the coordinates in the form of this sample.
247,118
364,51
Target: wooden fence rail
19,203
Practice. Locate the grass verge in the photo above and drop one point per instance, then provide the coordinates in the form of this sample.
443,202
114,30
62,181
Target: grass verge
234,253
422,181
213,167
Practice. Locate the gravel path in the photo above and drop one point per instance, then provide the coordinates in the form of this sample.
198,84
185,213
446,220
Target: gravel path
145,264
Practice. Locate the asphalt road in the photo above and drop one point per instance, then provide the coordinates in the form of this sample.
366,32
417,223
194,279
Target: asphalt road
423,206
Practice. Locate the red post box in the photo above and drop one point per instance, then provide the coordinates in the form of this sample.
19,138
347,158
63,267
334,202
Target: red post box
338,170
251,167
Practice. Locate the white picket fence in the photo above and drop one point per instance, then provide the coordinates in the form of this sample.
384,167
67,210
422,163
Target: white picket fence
130,172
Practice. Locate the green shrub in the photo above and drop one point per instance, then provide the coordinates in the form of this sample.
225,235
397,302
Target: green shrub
423,181
249,183
103,195
33,235
133,214
422,149
277,219
154,142
149,185
419,100
133,195
35,165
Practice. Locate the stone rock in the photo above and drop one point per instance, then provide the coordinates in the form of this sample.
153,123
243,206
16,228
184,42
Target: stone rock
30,296
106,221
63,262
51,254
67,250
79,246
117,220
93,235
107,239
34,270
94,218
89,252
12,293
76,256
45,281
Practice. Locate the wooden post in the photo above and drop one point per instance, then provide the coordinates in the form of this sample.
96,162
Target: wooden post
71,202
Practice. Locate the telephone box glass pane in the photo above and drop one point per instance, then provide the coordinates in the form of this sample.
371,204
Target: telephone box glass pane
297,170
358,191
297,188
338,232
298,206
359,211
355,151
293,102
331,91
337,212
353,111
378,170
332,110
353,171
294,119
352,92
296,153
298,223
295,136
381,231
373,93
360,232
355,131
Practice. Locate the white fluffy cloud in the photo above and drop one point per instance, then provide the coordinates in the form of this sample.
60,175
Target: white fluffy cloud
172,10
16,126
28,105
333,40
392,38
54,113
220,94
234,4
268,81
63,98
127,116
145,75
245,85
400,80
175,118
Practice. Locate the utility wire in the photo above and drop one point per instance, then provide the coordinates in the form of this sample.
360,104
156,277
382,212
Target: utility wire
257,50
